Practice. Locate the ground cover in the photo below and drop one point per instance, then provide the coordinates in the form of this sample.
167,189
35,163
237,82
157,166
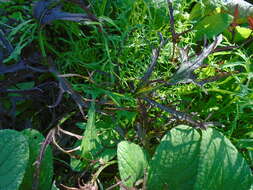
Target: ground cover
126,94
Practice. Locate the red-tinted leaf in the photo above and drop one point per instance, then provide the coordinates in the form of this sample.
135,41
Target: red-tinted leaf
236,15
250,21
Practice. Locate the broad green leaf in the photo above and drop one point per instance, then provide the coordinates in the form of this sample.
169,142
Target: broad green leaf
35,138
14,156
220,165
187,160
212,25
132,162
198,11
175,163
104,154
125,117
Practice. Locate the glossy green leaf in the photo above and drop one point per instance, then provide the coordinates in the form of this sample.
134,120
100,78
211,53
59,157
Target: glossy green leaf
187,159
221,167
35,138
132,162
212,25
14,155
174,165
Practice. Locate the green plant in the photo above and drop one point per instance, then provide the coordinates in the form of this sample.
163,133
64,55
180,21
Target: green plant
187,159
110,83
20,152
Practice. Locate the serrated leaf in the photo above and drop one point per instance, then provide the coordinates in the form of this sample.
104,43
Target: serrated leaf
132,162
92,145
14,155
187,160
174,165
90,141
212,25
221,167
35,138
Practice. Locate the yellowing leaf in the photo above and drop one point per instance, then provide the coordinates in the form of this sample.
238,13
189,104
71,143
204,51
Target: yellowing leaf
241,33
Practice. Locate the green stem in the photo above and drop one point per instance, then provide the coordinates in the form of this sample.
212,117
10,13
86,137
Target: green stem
41,42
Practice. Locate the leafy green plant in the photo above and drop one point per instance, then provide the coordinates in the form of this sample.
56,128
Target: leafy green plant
35,139
19,152
14,159
187,159
108,82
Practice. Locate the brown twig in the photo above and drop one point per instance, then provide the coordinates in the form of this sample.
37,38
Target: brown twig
37,163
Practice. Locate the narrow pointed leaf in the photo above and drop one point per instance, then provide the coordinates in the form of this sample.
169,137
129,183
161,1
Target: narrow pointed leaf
185,72
90,140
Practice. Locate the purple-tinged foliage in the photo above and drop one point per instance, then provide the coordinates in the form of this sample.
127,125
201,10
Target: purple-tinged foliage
5,47
47,11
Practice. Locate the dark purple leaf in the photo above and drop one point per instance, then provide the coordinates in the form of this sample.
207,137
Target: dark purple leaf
154,58
50,10
65,87
5,47
185,72
178,114
12,68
